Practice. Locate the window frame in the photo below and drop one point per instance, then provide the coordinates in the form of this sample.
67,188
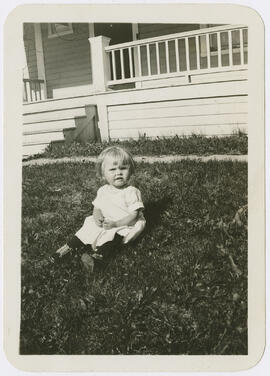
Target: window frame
51,34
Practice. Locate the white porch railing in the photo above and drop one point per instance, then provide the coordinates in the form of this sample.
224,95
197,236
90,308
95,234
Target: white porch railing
33,90
213,49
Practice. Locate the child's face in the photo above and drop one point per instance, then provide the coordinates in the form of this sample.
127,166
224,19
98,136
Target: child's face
116,173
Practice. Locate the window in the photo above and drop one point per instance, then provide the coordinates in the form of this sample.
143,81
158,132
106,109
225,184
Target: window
58,29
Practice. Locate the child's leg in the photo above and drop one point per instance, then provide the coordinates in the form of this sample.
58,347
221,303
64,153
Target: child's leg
107,250
97,259
74,244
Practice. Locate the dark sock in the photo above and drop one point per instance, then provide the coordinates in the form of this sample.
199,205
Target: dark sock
108,250
75,243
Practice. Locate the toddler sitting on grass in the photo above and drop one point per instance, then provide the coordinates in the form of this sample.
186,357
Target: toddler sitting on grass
117,215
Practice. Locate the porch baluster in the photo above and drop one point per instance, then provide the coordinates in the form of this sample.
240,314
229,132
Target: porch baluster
219,49
39,90
177,55
25,91
187,54
139,61
148,59
130,62
30,91
230,48
167,56
207,50
113,65
35,90
122,64
197,52
246,30
158,63
241,47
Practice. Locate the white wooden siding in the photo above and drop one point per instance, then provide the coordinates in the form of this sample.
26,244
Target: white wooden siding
67,59
155,30
167,109
209,116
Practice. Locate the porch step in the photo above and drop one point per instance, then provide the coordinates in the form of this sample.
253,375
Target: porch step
33,149
48,126
54,115
37,136
43,138
37,143
62,125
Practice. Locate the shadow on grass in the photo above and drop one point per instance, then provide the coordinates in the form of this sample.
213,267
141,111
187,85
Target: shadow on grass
153,211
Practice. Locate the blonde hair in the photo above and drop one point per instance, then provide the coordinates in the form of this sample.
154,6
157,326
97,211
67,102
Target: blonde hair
116,153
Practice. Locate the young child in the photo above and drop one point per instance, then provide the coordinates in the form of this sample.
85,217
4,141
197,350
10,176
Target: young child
118,210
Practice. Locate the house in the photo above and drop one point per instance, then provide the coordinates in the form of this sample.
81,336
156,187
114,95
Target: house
117,81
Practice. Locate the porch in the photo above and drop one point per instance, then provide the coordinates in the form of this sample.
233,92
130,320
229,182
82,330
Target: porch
174,84
215,50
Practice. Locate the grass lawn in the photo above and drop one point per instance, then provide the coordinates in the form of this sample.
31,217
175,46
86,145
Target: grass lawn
180,289
200,145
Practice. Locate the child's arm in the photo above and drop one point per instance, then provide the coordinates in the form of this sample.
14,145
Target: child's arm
129,220
98,217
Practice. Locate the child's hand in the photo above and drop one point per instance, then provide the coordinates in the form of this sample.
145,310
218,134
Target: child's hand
98,217
99,221
108,224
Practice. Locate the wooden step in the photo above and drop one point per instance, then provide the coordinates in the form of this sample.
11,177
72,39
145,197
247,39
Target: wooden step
43,138
40,128
48,126
63,114
33,149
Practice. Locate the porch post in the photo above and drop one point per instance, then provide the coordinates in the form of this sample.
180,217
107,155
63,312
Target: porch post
135,33
101,71
40,56
25,65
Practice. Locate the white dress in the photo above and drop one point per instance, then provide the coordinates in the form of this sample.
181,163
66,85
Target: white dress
114,204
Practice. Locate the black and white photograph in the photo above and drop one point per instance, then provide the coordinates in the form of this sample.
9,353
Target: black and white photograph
135,195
